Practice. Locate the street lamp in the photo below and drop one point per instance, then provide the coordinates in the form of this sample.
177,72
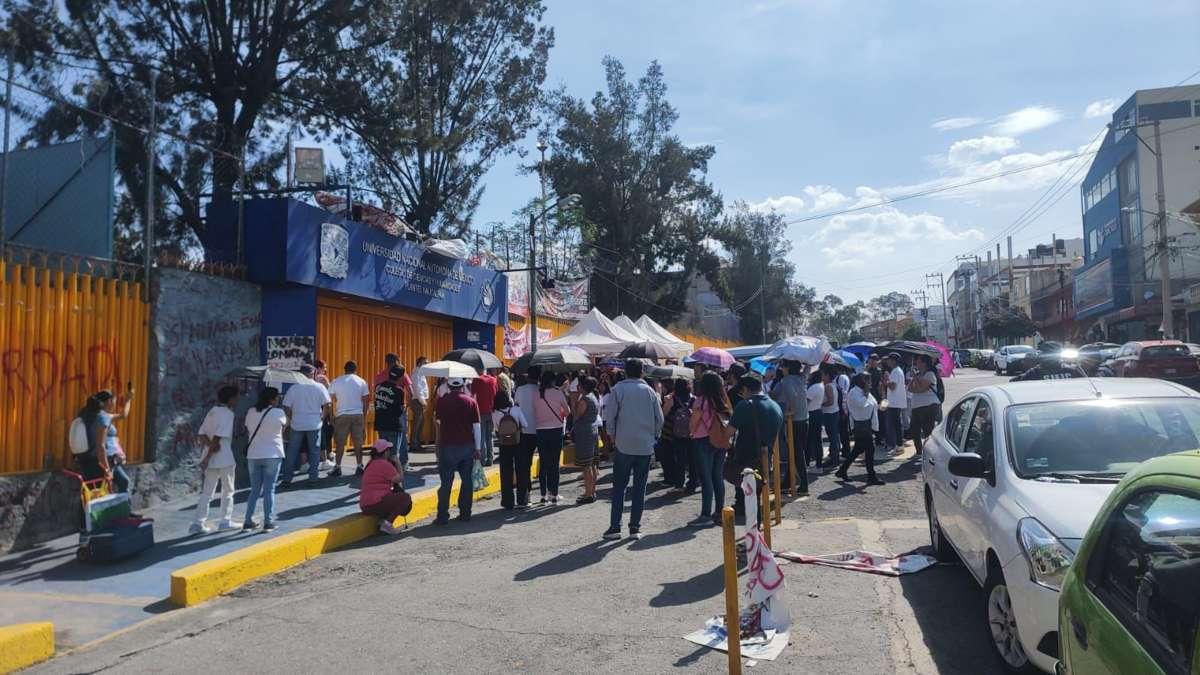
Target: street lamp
565,202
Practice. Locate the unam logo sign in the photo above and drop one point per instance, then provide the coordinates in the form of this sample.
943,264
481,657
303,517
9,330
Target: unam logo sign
335,250
489,296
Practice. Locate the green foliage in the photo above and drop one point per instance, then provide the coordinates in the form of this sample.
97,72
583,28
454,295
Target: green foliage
890,306
1001,321
836,320
913,331
753,238
645,192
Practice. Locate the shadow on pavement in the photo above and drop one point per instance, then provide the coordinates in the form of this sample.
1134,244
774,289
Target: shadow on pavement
584,556
948,606
700,587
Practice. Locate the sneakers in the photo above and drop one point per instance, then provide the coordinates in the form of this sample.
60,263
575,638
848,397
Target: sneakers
554,499
267,527
304,468
874,481
584,499
226,525
523,507
635,532
336,472
702,521
199,528
387,528
464,518
544,500
612,533
359,471
441,520
249,525
326,464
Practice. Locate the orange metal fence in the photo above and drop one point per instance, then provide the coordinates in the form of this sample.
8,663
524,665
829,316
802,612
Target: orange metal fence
706,341
63,336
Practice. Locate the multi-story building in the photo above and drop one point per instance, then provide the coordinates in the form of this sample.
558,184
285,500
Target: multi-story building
887,329
1117,290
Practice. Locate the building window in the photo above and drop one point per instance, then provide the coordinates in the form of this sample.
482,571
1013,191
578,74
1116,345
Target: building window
1196,108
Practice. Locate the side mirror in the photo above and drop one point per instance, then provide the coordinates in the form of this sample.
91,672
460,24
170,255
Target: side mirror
968,465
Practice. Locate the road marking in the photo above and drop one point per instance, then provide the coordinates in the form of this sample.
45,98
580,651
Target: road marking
116,600
905,641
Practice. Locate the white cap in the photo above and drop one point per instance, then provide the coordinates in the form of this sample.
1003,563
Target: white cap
455,382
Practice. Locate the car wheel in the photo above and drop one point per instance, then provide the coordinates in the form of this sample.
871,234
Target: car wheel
1002,626
941,548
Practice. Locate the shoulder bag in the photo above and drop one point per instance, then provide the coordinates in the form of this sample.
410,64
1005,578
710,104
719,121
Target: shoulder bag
257,427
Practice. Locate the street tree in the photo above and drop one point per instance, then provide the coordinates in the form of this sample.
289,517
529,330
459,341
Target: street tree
1009,323
655,215
758,276
913,332
836,320
890,306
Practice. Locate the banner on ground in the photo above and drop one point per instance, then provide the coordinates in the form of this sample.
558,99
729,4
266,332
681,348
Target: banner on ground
866,561
567,300
516,342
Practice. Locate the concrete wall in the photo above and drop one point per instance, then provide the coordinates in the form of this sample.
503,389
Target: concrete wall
202,327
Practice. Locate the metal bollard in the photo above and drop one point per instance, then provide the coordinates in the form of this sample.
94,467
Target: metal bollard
733,625
765,507
777,482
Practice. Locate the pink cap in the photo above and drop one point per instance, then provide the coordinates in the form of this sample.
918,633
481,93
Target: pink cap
381,444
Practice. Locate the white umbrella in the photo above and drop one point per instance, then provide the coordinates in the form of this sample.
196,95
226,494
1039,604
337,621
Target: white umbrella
802,348
268,375
447,369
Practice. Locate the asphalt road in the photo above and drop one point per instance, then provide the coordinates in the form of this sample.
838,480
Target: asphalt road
540,592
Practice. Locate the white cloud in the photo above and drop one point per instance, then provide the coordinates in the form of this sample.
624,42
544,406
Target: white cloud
825,197
788,205
1025,120
970,149
1101,108
853,239
955,123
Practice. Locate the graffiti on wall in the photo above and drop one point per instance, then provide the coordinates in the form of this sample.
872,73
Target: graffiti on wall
43,372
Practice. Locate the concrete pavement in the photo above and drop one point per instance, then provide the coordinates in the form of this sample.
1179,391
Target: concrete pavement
540,592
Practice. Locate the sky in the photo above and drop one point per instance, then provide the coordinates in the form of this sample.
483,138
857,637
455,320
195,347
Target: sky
819,105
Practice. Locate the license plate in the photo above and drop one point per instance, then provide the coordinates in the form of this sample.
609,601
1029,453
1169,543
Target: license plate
1170,371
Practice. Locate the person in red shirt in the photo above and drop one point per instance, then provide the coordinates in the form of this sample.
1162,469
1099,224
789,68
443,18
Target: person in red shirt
458,448
484,388
376,497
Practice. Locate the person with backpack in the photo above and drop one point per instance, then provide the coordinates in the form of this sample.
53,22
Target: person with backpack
677,439
550,412
514,476
217,465
925,404
264,455
708,424
96,425
586,434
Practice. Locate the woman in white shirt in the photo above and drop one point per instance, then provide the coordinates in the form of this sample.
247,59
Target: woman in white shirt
264,455
815,394
864,422
829,416
510,468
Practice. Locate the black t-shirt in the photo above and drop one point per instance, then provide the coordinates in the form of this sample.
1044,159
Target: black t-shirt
876,382
389,406
734,397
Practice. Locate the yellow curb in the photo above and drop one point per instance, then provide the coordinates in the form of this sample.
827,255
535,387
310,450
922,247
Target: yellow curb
205,580
24,644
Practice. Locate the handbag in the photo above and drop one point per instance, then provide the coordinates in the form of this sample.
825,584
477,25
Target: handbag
257,427
479,478
720,434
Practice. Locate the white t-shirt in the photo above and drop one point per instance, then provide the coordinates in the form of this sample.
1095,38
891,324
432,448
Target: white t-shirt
218,423
268,442
305,401
843,385
833,406
924,398
348,391
897,397
815,394
525,396
420,389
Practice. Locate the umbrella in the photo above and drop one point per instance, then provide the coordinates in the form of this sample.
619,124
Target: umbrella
476,358
553,359
802,348
268,375
860,349
848,359
446,369
760,365
945,359
672,373
647,350
908,347
711,356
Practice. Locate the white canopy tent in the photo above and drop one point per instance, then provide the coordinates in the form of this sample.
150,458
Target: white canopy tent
596,334
632,328
656,333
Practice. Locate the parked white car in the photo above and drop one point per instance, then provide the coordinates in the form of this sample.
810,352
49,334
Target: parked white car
1014,359
1016,473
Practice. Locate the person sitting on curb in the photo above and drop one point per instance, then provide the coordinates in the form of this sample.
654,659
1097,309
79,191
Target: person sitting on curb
382,493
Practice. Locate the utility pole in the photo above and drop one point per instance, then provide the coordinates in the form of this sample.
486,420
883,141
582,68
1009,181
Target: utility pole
1164,258
942,285
920,294
4,155
150,162
977,296
533,282
762,288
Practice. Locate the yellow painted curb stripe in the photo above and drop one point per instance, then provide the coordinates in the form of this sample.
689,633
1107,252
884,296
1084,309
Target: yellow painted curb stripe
205,580
24,644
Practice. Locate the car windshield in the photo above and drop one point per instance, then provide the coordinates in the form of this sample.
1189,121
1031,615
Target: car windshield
1020,349
1101,438
1165,352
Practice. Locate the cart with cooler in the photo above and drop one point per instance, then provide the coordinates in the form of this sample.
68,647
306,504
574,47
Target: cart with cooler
111,531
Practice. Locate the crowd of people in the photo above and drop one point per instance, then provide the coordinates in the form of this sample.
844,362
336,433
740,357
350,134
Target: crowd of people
700,427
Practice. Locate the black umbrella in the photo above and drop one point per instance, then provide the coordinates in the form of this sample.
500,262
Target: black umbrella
553,359
647,350
476,358
908,347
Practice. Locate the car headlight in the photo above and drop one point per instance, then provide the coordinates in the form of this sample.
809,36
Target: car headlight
1048,557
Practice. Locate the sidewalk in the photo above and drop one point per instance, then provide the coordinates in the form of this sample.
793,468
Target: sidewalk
87,601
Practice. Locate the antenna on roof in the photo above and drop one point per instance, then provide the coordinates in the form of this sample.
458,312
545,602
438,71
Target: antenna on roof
1093,386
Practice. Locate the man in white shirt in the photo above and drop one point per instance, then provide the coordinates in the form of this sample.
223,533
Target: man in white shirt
217,465
896,393
419,401
350,396
307,405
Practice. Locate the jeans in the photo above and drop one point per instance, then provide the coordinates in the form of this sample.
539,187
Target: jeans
682,472
549,447
399,441
813,450
710,466
830,422
864,444
120,477
293,454
454,459
523,461
892,427
213,478
263,473
485,435
624,467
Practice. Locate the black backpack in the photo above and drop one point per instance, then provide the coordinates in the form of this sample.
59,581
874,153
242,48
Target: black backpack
681,419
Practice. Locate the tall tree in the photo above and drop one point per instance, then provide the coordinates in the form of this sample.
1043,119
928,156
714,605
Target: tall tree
229,76
890,306
456,85
836,320
645,192
759,277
